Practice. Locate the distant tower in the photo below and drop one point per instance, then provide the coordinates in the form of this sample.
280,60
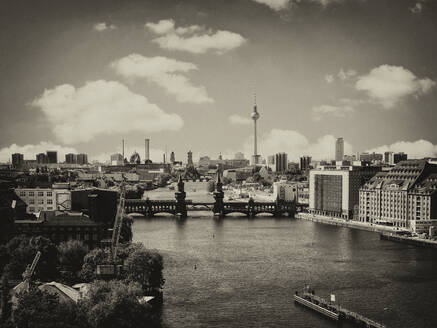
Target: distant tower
339,149
172,157
190,158
255,117
146,150
220,157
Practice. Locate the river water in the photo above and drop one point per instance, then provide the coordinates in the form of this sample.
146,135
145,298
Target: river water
243,272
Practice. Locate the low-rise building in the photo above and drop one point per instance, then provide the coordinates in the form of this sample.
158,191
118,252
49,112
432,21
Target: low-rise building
45,199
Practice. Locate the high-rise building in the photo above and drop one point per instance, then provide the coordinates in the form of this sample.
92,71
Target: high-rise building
239,155
388,157
281,162
190,158
172,157
399,157
17,160
339,149
255,117
71,158
305,162
82,159
334,191
41,158
52,156
373,157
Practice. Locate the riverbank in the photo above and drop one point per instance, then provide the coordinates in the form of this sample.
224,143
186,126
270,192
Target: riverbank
426,243
343,223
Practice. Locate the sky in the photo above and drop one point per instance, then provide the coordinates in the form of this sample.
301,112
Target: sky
80,76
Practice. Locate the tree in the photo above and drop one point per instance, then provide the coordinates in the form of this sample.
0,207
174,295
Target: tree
115,304
145,267
126,230
6,225
91,260
71,258
40,309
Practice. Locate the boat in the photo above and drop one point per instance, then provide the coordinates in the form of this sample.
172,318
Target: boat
312,304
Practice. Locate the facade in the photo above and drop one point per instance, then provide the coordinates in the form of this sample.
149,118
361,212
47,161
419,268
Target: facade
392,158
373,157
52,157
41,158
82,159
334,190
190,158
403,197
339,149
17,160
285,191
117,159
71,158
281,162
305,162
44,199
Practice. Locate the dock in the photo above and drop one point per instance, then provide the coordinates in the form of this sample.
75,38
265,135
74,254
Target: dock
334,311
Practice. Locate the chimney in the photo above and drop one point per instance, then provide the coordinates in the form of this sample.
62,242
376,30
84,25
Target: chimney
122,148
146,145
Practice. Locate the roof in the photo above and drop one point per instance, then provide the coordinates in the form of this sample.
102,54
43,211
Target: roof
64,292
427,186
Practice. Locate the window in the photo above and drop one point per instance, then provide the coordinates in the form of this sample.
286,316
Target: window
49,194
40,193
31,209
40,201
22,193
31,201
49,208
31,193
49,201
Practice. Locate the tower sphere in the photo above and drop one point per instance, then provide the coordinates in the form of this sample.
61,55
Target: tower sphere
255,115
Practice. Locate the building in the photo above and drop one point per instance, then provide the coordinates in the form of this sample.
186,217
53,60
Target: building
82,159
305,162
17,160
403,197
239,155
394,158
373,157
146,150
117,159
135,158
281,162
190,158
99,204
52,157
172,157
71,158
41,158
45,199
339,149
285,191
255,116
334,190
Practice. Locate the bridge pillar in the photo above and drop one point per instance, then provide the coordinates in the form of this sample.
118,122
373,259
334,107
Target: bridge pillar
181,206
251,208
219,207
279,203
148,208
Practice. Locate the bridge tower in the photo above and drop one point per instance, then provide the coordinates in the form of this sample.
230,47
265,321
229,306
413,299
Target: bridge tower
218,196
181,206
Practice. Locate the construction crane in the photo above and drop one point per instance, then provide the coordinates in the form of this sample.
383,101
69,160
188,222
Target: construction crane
28,273
109,270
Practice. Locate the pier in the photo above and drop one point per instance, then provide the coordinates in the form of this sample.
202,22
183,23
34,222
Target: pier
334,311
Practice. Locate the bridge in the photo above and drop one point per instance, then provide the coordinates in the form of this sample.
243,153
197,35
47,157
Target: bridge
179,206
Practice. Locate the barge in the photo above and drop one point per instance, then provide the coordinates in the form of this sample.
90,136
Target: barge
333,311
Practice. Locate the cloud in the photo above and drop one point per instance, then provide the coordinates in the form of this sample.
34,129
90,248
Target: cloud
163,71
415,149
295,145
101,108
29,151
417,8
195,39
327,110
238,119
388,85
341,75
275,4
100,27
329,78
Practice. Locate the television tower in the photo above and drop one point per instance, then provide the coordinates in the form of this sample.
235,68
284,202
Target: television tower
255,117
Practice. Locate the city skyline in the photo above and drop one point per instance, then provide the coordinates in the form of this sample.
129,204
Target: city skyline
173,66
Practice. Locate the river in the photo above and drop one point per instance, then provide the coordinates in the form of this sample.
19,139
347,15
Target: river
242,272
